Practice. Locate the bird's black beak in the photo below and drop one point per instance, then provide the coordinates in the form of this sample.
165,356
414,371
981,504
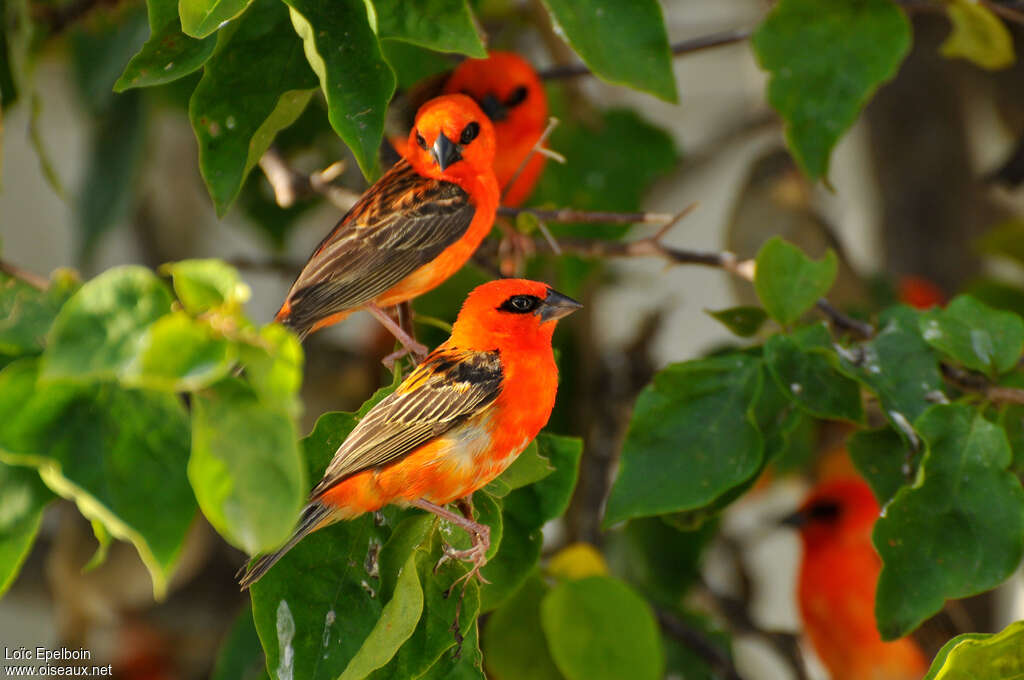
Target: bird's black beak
493,107
794,520
445,151
556,306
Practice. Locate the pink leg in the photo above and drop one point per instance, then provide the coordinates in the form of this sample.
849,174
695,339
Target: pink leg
480,534
408,342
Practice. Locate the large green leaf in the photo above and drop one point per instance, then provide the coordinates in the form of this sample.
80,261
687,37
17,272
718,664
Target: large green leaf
117,453
810,377
256,83
692,438
826,59
169,54
959,530
26,312
240,656
881,456
979,337
599,628
245,467
514,644
788,282
622,43
442,25
528,468
343,50
273,368
980,656
181,354
200,18
101,329
202,285
742,321
22,503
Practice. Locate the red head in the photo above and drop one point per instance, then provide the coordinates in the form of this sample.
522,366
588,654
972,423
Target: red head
510,313
920,293
838,511
511,94
452,139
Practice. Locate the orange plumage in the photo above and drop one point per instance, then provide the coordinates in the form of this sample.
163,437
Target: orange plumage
414,228
920,292
836,591
455,423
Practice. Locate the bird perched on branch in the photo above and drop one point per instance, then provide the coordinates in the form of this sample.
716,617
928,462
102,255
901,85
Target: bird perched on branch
836,591
510,92
414,228
454,424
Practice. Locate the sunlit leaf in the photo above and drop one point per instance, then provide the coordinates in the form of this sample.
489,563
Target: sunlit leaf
978,35
169,54
981,656
21,510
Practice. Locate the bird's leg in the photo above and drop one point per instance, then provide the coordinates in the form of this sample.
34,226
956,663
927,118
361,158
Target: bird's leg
409,343
480,534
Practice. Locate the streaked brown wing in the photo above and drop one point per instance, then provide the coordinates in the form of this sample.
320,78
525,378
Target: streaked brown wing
403,222
448,387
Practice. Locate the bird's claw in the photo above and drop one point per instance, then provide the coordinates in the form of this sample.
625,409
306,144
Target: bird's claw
418,351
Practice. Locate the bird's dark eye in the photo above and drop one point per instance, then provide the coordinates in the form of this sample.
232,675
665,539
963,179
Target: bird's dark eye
520,304
824,511
517,97
422,142
469,133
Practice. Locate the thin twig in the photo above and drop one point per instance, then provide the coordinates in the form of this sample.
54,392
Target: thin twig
572,215
975,382
697,641
28,277
538,147
678,49
289,184
844,322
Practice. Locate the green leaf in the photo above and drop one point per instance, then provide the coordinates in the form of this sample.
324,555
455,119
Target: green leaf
692,438
256,83
980,656
274,368
811,379
528,468
169,54
200,18
202,285
240,656
21,510
1012,420
513,640
958,531
788,282
898,366
26,313
245,467
979,337
880,456
622,43
599,628
524,511
442,25
180,354
826,59
117,453
100,331
978,35
103,543
343,50
742,321
465,664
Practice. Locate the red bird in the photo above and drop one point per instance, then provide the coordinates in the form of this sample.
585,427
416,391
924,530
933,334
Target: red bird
836,590
454,424
414,228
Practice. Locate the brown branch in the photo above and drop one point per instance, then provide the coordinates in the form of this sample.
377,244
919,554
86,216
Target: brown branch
975,382
1006,12
844,322
58,19
289,184
697,641
572,215
28,277
678,49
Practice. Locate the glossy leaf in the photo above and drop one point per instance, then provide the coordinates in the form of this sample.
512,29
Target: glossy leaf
442,25
825,60
169,54
810,378
117,453
1012,420
959,530
26,313
788,282
981,656
343,50
200,18
692,438
202,285
599,628
622,43
273,367
979,337
978,35
742,321
256,83
882,457
101,329
245,467
21,510
514,644
181,354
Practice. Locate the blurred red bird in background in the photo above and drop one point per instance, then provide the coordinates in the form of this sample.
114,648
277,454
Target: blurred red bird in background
454,424
836,590
414,228
510,92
